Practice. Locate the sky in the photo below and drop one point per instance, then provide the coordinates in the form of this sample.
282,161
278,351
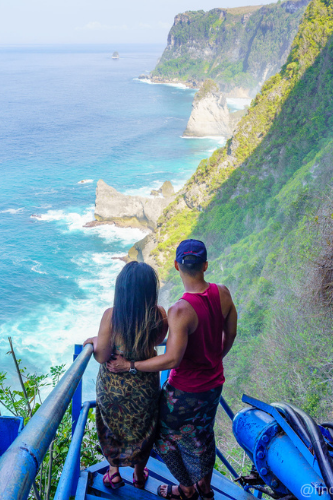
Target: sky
97,21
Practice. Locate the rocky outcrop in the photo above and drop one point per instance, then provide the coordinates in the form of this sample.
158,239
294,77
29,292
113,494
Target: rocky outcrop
166,190
190,83
238,47
129,211
210,114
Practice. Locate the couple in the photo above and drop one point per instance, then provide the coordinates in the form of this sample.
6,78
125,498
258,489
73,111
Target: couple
131,414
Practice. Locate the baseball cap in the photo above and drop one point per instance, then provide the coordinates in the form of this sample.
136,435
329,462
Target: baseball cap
191,247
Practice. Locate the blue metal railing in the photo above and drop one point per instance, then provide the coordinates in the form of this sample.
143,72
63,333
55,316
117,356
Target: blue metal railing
68,481
20,464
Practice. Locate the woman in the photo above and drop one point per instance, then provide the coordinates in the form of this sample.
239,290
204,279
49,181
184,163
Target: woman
127,403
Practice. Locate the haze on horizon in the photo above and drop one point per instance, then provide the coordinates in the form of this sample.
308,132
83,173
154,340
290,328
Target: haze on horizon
98,21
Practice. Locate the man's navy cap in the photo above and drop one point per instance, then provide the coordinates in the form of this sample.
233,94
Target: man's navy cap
191,247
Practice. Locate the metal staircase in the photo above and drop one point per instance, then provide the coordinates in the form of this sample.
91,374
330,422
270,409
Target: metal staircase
287,448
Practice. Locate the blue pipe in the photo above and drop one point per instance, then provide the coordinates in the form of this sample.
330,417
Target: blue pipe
67,477
291,468
20,464
279,462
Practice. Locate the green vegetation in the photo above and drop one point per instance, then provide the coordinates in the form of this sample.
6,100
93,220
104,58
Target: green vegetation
208,86
264,206
25,402
238,47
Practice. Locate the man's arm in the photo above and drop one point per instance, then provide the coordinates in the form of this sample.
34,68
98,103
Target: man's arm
230,322
101,343
180,319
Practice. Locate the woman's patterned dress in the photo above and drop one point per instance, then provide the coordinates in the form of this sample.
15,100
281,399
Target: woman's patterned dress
126,415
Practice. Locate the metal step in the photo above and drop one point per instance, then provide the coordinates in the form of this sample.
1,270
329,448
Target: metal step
158,474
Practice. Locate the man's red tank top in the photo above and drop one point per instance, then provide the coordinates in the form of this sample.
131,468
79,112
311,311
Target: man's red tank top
201,368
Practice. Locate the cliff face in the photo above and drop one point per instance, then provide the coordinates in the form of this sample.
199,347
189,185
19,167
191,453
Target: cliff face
239,48
210,114
263,204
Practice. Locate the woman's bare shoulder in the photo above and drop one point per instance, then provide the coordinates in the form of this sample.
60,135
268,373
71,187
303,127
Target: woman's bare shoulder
107,315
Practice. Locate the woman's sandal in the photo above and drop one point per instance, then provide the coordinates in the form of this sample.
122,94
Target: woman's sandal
173,496
204,496
110,483
141,484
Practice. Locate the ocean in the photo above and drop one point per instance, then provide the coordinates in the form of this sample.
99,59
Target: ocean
72,114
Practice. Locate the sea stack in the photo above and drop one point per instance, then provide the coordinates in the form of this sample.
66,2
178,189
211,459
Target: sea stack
129,211
210,114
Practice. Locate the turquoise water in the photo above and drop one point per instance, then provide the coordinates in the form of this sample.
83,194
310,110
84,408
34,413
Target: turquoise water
70,114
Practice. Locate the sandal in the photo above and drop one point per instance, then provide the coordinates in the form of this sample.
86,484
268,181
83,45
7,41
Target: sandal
173,496
110,483
141,484
204,496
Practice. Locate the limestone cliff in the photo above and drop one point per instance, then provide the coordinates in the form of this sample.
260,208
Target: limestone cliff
129,211
240,48
210,114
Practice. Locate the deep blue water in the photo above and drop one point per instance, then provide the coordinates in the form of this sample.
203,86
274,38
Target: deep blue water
70,113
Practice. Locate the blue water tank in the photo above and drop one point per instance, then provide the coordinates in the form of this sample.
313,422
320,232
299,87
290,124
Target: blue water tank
10,427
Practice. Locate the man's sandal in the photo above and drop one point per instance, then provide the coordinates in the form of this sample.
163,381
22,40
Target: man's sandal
204,496
173,496
111,484
141,484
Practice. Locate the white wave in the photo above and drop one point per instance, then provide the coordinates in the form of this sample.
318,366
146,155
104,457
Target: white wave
73,220
86,181
213,137
12,211
45,191
238,103
112,233
36,267
177,85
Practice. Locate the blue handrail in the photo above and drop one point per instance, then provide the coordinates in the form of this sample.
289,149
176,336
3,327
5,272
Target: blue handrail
67,477
20,463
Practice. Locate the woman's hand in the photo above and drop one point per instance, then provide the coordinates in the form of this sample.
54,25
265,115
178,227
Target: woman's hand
118,364
91,340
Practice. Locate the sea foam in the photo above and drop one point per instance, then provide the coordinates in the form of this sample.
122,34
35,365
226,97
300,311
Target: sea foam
12,211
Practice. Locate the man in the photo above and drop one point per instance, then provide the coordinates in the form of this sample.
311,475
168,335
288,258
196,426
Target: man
202,329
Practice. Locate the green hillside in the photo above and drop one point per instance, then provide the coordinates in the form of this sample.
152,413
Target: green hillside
238,47
264,206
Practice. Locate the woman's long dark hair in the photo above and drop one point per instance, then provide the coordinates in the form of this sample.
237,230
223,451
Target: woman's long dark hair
136,318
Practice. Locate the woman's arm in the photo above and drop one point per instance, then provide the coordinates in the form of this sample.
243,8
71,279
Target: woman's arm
102,343
180,318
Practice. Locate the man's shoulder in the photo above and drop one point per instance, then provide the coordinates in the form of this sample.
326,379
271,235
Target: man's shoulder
226,299
180,307
224,291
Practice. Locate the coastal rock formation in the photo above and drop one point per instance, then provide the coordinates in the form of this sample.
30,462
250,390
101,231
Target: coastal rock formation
240,48
166,190
129,211
210,114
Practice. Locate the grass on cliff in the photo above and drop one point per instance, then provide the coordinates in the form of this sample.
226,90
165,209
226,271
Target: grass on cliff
260,203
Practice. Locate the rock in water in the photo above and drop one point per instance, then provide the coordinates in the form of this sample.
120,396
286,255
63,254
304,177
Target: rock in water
128,211
167,189
210,114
